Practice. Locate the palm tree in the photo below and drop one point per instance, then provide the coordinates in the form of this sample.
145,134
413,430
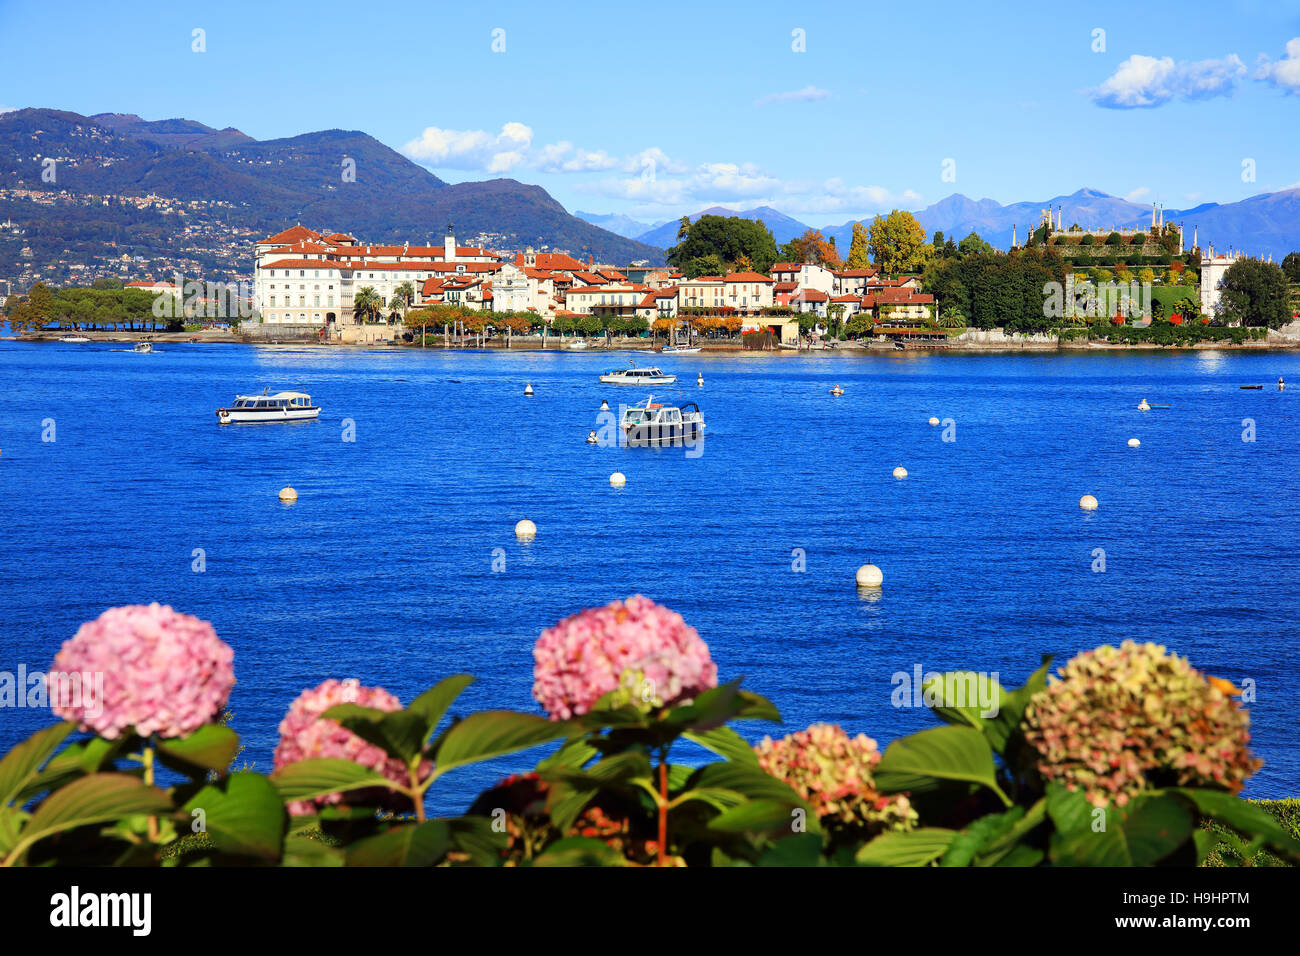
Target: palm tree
367,302
403,296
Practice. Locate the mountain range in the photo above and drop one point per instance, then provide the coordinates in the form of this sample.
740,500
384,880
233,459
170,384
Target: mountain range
1267,224
267,185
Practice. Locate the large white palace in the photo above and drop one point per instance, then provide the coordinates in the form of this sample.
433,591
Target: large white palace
304,278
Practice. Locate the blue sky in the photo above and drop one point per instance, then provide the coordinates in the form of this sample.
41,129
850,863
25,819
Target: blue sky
666,108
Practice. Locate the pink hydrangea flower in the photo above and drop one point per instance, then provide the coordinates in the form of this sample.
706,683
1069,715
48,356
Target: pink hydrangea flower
833,773
636,645
163,673
305,735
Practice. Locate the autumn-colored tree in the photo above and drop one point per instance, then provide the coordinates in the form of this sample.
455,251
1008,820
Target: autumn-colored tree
897,242
812,247
860,247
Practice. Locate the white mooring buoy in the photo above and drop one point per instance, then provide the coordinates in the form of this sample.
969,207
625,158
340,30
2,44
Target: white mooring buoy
900,472
1133,443
525,529
869,576
933,420
288,494
618,479
528,389
1088,503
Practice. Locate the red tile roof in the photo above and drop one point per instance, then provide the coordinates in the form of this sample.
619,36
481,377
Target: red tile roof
746,277
292,234
553,261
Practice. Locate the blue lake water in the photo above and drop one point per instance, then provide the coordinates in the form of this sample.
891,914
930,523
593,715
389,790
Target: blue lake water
383,570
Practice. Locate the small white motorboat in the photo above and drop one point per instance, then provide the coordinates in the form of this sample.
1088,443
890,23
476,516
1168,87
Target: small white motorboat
654,423
577,345
679,349
651,375
76,339
143,347
280,407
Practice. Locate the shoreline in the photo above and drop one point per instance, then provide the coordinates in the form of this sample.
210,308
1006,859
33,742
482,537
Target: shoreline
534,345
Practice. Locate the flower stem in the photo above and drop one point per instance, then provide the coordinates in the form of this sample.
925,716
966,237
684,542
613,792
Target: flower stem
417,792
146,758
663,807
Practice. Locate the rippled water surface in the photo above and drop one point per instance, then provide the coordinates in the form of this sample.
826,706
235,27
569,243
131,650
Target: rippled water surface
383,570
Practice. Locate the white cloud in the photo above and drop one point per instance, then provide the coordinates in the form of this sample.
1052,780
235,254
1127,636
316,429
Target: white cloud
654,182
835,196
656,161
807,95
1145,82
741,185
1285,73
472,149
1138,193
564,157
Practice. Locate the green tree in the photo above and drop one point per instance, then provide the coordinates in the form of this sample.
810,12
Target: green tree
1291,266
727,237
897,242
973,245
707,265
860,247
1254,294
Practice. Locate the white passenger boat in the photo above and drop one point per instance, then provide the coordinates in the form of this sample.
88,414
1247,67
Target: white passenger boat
679,349
638,376
653,423
77,339
280,407
143,347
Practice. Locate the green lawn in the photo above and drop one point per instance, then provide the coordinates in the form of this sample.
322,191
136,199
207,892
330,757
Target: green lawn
1169,296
